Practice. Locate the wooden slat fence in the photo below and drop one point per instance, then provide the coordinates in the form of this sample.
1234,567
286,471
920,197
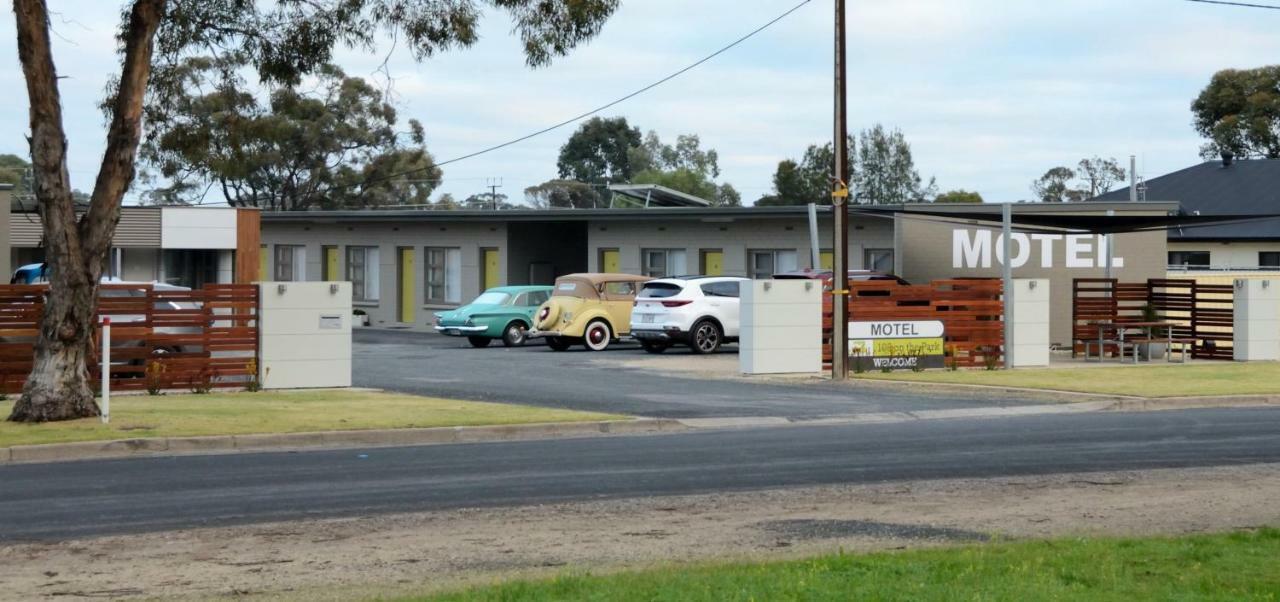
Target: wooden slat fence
201,337
971,311
1202,312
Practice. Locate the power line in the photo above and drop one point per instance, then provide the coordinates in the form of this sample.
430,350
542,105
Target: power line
582,116
1241,4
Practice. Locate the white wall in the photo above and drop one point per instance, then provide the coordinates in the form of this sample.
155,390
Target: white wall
781,327
305,332
1030,322
197,228
1229,255
1257,320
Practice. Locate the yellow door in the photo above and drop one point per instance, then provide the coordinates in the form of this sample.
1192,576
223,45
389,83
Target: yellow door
406,285
610,261
827,259
491,269
713,263
264,264
330,264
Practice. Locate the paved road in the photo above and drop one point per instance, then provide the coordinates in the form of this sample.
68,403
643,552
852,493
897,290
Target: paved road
431,364
44,502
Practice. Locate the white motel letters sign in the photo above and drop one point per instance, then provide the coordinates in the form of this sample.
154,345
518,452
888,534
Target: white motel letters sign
977,248
895,330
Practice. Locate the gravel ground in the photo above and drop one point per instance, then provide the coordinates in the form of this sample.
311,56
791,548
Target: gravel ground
342,559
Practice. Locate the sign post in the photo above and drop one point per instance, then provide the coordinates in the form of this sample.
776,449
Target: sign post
106,370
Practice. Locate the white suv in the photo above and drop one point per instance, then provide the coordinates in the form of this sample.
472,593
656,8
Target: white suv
698,311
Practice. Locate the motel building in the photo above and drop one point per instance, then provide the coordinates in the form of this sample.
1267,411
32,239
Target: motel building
405,265
183,246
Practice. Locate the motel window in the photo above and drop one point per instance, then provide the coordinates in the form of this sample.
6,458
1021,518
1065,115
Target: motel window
1269,259
291,263
1189,259
362,271
444,275
878,260
663,263
765,263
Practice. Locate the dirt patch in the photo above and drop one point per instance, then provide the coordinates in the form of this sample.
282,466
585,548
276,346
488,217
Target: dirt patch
343,559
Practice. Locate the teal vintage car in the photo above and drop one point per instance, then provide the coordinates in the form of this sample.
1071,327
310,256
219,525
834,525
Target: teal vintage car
502,313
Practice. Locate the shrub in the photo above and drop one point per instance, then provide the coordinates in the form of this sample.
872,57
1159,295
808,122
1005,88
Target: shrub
155,377
253,385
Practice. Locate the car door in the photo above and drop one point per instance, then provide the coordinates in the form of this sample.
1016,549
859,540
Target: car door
618,299
722,300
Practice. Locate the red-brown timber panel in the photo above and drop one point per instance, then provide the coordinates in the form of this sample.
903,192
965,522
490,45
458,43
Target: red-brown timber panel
201,337
971,311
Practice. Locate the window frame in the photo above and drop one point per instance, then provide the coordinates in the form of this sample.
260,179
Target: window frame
360,286
294,252
869,264
755,274
439,293
1274,255
1185,265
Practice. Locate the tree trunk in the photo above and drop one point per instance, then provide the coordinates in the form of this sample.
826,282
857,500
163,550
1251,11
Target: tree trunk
58,387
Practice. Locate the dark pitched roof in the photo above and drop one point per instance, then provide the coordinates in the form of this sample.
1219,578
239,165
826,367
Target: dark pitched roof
1249,186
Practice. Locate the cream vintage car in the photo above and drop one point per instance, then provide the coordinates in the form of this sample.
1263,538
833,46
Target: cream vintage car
592,309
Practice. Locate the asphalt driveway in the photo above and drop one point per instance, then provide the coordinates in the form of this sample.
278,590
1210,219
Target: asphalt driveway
431,364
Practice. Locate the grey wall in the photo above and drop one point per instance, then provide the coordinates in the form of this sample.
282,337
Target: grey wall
468,238
734,237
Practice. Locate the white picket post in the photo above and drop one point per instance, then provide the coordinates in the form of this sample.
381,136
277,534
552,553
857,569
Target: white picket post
106,370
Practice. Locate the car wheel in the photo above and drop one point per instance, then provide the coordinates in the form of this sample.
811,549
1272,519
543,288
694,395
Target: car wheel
597,336
559,343
706,337
514,335
654,346
479,342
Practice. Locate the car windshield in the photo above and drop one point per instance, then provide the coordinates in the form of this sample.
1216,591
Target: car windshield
492,298
660,290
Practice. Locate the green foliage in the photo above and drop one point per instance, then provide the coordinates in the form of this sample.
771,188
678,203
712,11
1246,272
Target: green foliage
331,145
958,196
599,150
684,166
1239,112
884,171
880,162
13,170
1236,566
1092,177
566,194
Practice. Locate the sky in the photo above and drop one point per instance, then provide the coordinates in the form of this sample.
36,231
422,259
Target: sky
990,93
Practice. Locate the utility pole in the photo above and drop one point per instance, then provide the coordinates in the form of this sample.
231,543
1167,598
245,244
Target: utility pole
493,184
840,211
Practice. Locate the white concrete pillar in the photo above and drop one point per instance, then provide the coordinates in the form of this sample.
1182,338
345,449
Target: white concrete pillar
1257,320
781,327
304,334
1030,316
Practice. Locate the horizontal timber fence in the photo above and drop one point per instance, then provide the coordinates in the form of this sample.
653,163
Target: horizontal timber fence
1201,313
971,312
198,339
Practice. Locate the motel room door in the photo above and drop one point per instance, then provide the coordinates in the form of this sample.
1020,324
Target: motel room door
610,261
404,309
491,259
330,264
712,262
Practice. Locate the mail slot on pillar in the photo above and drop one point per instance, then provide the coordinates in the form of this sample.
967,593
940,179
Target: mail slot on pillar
896,344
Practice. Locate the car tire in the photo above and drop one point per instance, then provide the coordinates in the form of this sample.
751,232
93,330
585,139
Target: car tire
559,343
479,342
705,337
654,347
597,335
514,334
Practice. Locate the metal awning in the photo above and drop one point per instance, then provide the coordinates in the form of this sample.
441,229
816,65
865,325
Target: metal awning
653,195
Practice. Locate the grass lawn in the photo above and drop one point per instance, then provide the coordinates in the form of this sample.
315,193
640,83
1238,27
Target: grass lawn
1238,566
1218,378
276,412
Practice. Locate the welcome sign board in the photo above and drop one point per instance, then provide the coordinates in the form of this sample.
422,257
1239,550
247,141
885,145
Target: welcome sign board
896,344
